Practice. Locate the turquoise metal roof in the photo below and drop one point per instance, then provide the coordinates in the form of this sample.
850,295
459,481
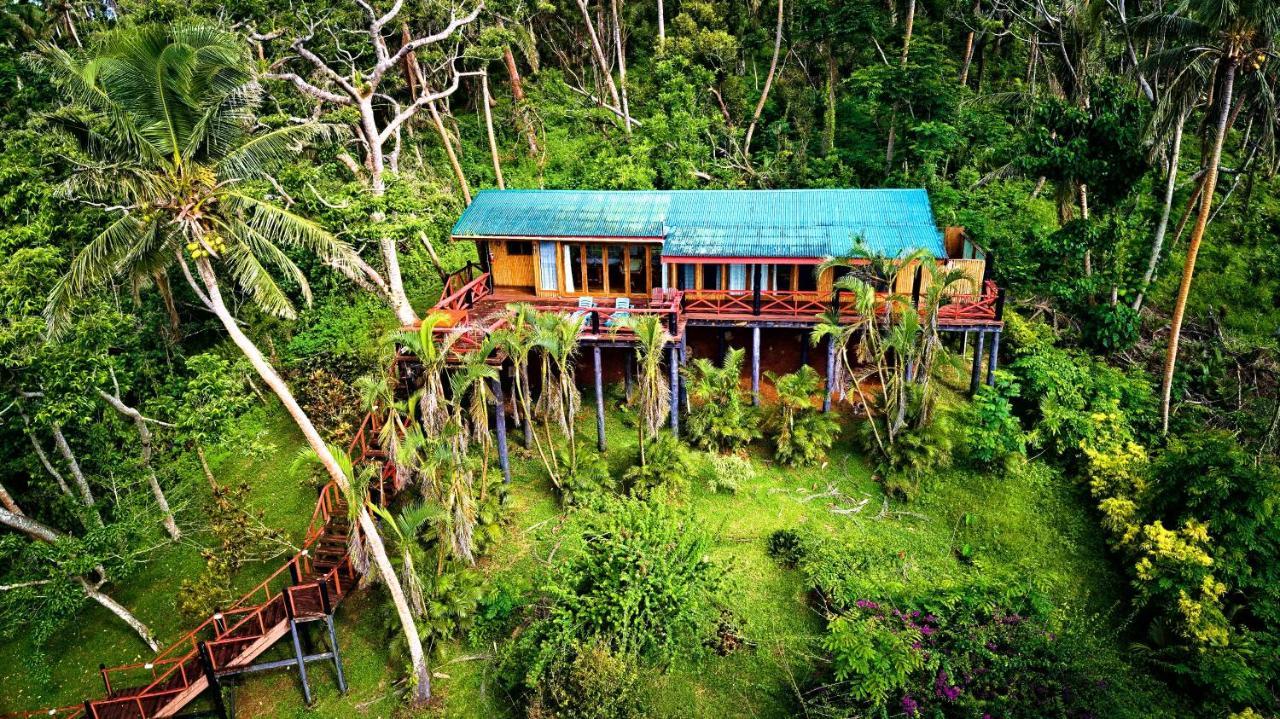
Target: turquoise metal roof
716,223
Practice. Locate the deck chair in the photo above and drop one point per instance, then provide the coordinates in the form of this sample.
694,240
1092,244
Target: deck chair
622,304
584,303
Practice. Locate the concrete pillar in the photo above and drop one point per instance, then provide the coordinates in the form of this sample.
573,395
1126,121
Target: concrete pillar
755,366
595,351
500,427
831,375
976,375
995,358
674,365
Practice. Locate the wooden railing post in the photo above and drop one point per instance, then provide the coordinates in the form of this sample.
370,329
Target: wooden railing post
106,681
1000,303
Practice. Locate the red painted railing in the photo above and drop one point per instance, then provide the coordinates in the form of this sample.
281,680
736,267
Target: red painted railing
960,308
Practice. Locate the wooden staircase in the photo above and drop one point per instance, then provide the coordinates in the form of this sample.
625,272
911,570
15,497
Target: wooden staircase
307,588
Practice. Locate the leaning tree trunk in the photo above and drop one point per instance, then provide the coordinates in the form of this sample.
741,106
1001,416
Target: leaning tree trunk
1193,245
17,521
144,437
622,65
902,62
517,94
1157,244
44,458
598,52
6,501
422,679
82,484
488,124
768,83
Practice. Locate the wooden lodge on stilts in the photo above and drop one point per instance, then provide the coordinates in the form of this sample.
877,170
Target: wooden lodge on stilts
711,263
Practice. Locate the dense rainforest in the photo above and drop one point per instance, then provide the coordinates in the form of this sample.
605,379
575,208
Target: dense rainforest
217,218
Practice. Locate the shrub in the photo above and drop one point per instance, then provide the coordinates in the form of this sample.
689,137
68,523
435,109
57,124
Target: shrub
802,433
591,480
913,452
331,403
590,682
719,417
991,432
639,584
1111,328
665,473
785,547
729,472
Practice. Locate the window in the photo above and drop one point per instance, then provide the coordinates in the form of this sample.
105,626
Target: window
574,253
807,278
782,277
595,268
519,247
711,277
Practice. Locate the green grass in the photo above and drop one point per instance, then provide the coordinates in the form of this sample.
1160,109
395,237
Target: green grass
1029,527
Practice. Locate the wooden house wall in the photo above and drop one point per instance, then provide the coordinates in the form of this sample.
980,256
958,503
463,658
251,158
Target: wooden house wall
513,270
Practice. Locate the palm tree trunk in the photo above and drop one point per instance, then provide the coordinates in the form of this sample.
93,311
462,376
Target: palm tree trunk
1193,245
166,293
422,688
1170,185
86,495
662,24
829,114
902,62
768,83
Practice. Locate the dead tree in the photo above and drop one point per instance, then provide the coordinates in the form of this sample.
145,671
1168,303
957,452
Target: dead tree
359,88
93,590
144,438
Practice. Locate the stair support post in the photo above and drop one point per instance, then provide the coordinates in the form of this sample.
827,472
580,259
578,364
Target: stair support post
211,676
302,664
831,375
674,366
333,647
994,360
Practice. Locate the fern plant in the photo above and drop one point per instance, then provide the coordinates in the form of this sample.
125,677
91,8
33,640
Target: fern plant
802,432
720,418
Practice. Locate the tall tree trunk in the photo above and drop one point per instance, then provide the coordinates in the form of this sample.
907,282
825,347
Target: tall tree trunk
422,688
82,484
488,124
603,64
768,83
902,62
829,115
1193,246
517,93
19,522
415,70
377,186
662,24
622,65
968,47
1157,244
144,438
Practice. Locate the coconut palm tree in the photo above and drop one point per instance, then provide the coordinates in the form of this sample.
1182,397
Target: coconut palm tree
556,334
433,354
652,400
163,117
1222,41
518,340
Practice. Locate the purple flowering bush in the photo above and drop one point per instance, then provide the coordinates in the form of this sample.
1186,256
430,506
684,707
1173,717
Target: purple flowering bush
972,661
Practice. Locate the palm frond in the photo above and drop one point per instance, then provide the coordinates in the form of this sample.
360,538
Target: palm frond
98,261
256,156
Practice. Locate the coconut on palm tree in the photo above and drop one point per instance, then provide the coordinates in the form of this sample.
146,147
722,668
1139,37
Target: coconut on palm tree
163,116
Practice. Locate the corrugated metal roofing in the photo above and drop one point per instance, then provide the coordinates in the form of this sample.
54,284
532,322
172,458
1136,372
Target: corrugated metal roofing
716,223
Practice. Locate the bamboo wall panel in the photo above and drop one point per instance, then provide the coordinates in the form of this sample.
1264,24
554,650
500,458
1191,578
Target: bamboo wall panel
512,270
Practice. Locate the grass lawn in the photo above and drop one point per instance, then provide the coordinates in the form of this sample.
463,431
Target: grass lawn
1029,527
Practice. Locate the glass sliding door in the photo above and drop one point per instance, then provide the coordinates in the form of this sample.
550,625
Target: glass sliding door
615,269
594,268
